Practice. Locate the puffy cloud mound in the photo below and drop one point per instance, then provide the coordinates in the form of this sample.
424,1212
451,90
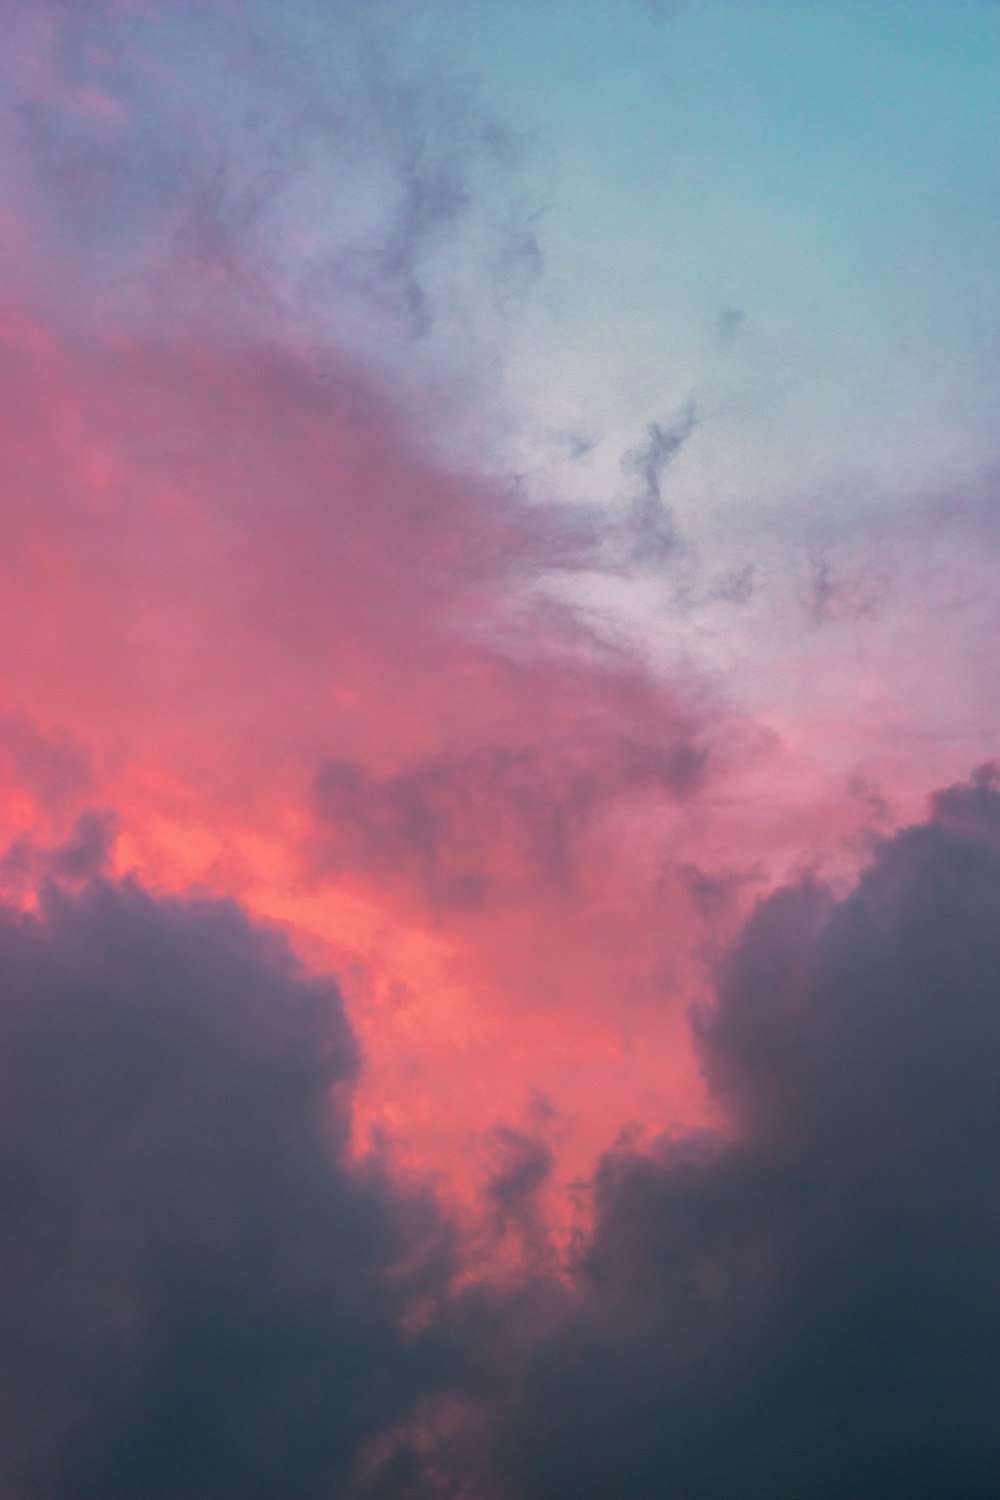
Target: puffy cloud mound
809,1304
200,1296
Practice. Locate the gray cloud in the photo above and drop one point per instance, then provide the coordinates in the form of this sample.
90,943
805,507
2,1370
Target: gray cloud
807,1305
199,1296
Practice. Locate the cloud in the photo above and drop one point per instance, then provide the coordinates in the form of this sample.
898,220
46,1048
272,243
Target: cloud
651,519
47,766
522,1167
86,854
496,825
838,595
200,1294
310,661
293,165
451,184
806,1304
318,668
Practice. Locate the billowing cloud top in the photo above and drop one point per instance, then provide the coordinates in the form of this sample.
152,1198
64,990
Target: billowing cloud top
200,1295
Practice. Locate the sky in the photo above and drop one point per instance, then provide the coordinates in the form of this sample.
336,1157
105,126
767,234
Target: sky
499,818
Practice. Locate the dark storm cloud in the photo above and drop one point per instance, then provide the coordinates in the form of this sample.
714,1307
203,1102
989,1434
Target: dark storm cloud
199,1297
809,1305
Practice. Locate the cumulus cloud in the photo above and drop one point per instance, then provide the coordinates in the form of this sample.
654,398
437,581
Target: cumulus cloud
199,1293
807,1304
